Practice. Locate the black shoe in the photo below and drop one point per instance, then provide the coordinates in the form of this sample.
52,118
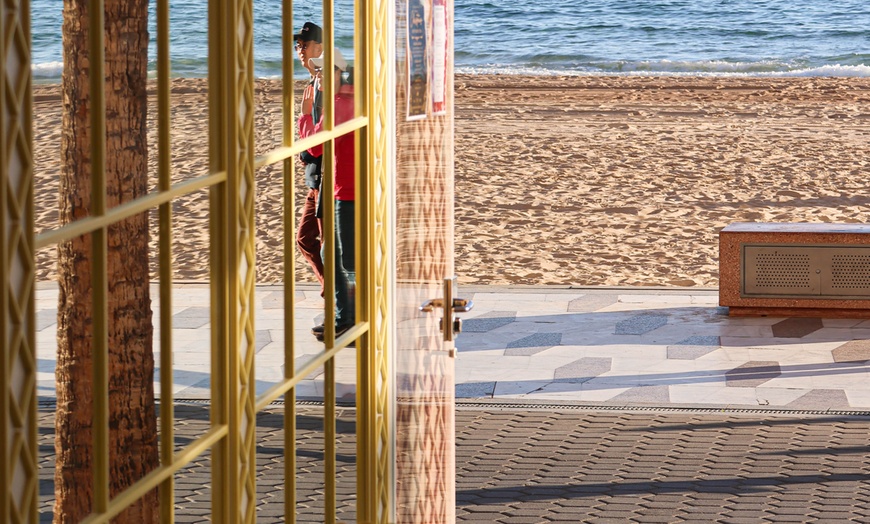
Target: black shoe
319,332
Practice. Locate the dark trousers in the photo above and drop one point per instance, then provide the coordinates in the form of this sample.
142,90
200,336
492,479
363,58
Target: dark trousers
309,234
345,263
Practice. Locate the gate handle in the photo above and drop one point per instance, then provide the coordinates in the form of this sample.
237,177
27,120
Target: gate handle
460,305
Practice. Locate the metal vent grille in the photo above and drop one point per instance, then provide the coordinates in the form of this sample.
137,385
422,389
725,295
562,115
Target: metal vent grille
806,271
850,272
776,270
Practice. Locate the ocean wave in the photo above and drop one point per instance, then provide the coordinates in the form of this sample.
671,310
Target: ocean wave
839,71
47,70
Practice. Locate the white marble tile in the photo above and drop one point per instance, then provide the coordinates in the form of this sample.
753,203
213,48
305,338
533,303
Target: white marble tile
706,300
858,397
562,391
842,322
720,395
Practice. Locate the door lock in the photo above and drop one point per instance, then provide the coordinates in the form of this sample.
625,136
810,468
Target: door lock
451,306
460,305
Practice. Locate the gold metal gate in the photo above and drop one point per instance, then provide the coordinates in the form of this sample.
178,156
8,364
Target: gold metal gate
231,183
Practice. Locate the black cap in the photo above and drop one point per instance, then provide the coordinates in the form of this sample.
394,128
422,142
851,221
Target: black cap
310,31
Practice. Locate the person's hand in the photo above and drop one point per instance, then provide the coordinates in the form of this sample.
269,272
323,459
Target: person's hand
308,99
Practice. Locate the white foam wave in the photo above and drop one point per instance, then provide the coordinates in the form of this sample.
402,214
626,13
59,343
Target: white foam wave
47,70
841,71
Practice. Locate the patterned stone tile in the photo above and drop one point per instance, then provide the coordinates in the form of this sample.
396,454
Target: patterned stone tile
583,370
475,390
752,374
590,303
796,327
46,318
852,351
488,321
821,399
694,347
191,318
275,299
641,324
262,338
533,344
644,395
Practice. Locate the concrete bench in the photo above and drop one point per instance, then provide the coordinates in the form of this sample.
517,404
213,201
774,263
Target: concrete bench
795,269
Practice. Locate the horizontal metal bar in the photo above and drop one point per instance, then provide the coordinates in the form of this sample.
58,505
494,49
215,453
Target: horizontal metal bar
283,153
272,394
116,214
153,479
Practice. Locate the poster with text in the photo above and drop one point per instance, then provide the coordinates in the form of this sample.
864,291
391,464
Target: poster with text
439,56
418,64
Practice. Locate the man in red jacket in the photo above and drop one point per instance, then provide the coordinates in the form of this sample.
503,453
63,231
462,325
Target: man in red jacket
345,271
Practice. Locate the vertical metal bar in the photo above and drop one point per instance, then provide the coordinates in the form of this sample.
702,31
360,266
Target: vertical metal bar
289,129
327,186
218,272
240,233
365,482
329,262
164,182
329,440
96,21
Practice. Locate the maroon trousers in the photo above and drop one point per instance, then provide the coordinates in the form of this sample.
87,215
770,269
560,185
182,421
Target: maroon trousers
309,234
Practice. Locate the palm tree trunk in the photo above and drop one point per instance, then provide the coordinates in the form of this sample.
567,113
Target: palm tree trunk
132,417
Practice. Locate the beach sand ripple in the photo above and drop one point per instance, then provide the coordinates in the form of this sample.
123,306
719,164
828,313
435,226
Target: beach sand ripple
617,181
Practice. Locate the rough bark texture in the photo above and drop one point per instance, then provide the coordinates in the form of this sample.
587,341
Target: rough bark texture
132,418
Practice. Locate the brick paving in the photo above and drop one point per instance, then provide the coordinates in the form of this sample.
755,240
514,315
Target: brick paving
537,464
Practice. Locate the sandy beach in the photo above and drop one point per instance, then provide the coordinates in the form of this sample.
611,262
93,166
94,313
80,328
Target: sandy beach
612,180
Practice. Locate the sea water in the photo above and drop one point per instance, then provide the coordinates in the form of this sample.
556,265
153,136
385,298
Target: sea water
573,37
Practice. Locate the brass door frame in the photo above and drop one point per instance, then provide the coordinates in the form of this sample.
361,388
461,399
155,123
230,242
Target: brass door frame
230,179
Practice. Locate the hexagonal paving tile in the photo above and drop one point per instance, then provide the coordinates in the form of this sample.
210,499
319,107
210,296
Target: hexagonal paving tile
641,324
796,327
852,351
488,321
752,374
693,347
583,370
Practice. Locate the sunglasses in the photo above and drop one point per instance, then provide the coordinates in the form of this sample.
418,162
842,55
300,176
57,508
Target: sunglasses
302,47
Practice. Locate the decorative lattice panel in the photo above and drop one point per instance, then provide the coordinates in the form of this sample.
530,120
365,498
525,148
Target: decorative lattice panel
18,381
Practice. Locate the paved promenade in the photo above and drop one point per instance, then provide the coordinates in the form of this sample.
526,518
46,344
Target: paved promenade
580,405
654,347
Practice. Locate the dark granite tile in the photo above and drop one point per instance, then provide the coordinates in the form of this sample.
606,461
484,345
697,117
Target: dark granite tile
262,338
641,324
752,374
693,347
537,340
475,390
821,399
644,394
796,327
590,303
525,352
488,321
45,318
275,299
583,370
191,318
852,351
